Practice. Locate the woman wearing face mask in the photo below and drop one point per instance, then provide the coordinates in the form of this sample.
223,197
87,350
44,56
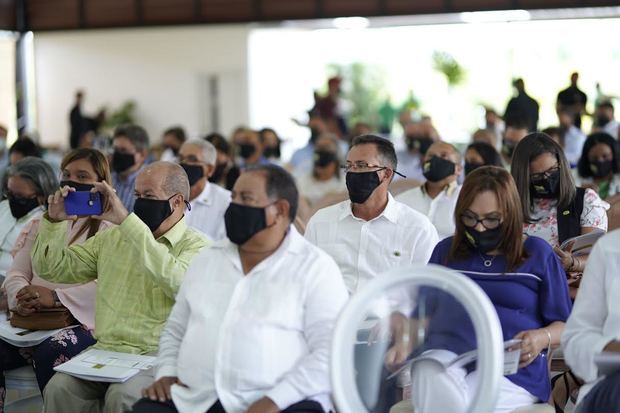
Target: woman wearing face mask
480,154
525,282
325,178
271,145
598,166
553,207
26,186
27,292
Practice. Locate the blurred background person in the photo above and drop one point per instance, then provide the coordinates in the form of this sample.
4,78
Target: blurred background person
523,106
436,198
271,145
480,154
325,177
4,149
172,140
516,129
226,171
604,120
573,100
572,137
486,136
76,121
418,138
598,166
208,201
23,147
249,148
494,123
26,186
131,146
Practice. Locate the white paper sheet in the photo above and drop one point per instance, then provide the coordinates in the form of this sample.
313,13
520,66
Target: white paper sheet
105,366
20,337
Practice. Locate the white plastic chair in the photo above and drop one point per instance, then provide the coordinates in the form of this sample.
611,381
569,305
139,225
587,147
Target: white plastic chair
24,382
469,294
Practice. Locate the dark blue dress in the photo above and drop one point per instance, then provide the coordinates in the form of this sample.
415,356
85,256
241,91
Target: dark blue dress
532,296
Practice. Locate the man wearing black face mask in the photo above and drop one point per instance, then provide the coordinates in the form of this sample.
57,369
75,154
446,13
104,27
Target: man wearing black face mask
208,201
604,120
264,292
418,140
138,265
437,197
250,149
131,144
172,141
371,232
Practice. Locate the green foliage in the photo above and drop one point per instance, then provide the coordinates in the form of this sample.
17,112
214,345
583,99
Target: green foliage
124,114
363,86
446,64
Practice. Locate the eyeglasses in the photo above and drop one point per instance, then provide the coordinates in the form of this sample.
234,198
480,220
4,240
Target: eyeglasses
543,175
8,194
362,166
471,221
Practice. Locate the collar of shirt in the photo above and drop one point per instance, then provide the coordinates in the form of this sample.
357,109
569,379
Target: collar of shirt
206,196
175,234
448,189
390,212
293,243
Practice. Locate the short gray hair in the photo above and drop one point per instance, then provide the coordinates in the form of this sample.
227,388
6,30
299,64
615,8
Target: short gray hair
209,152
37,171
175,179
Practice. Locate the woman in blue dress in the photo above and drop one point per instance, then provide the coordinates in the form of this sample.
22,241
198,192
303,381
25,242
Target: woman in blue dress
525,281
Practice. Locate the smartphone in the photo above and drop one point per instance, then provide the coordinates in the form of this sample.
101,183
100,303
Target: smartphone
83,203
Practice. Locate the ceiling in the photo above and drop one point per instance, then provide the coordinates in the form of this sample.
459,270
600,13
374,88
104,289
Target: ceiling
37,15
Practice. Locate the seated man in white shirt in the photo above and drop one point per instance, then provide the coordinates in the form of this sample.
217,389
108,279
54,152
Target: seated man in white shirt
436,198
208,201
252,325
371,232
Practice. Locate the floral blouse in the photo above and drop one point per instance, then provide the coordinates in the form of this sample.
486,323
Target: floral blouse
545,218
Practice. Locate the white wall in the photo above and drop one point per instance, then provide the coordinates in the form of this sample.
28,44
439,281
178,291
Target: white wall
164,70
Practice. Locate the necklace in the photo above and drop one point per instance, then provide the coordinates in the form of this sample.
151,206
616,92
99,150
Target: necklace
487,261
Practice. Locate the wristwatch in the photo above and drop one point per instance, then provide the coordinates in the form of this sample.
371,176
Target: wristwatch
57,302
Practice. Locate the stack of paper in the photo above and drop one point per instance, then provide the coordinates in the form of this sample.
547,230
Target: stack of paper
20,337
105,366
582,244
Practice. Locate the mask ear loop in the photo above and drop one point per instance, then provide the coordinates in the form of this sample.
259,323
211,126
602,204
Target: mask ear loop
187,204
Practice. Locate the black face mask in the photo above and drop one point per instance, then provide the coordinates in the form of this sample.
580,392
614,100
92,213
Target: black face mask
601,169
77,186
194,172
484,241
548,188
272,152
246,150
218,174
243,222
152,211
20,207
601,120
436,169
470,166
508,148
122,161
419,143
323,158
361,185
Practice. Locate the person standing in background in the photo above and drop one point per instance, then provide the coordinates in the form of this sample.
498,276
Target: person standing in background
573,99
76,120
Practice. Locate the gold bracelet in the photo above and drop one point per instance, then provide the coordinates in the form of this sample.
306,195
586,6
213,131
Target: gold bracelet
549,344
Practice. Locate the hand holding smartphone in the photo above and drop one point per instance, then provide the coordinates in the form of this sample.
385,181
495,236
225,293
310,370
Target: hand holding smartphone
83,203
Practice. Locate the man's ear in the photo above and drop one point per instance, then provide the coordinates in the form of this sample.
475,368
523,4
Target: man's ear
283,208
388,174
208,170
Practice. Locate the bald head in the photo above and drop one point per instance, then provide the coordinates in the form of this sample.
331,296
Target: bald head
163,180
444,150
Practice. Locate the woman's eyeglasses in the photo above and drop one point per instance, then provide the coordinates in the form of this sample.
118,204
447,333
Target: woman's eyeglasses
471,221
